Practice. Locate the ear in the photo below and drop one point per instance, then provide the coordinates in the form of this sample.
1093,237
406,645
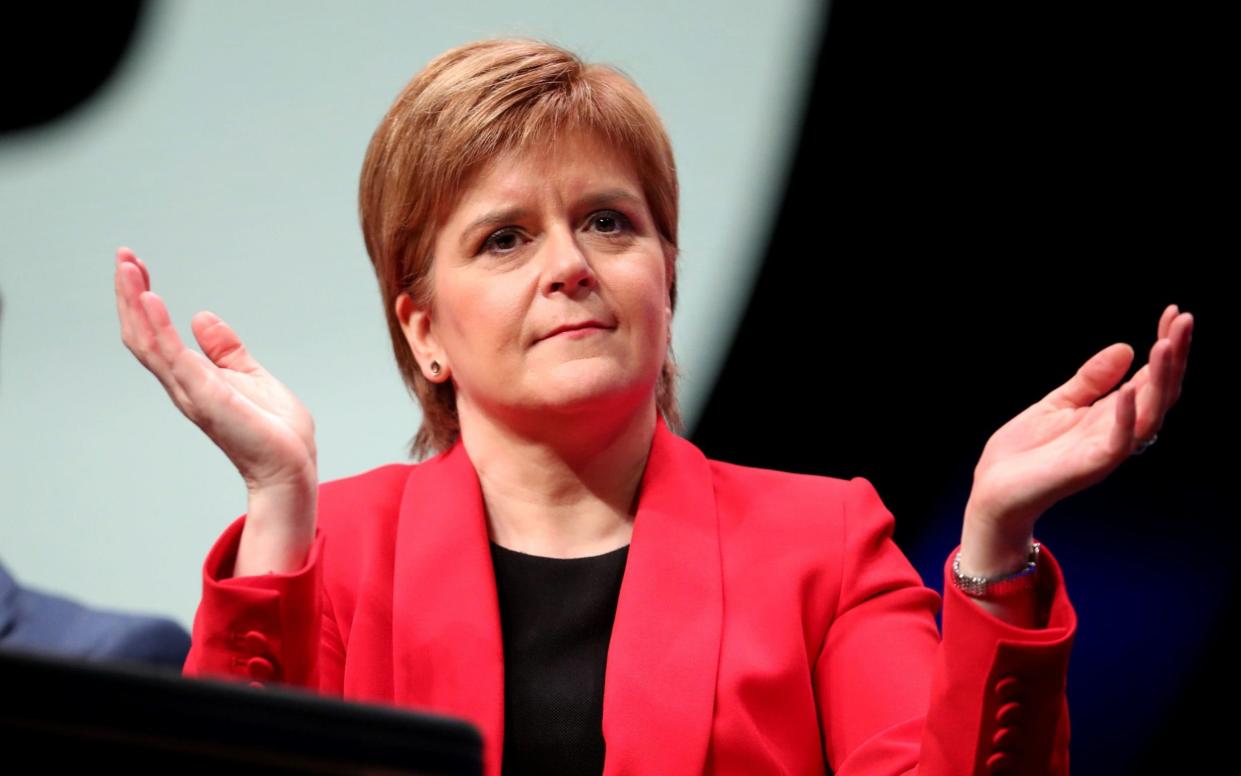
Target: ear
416,323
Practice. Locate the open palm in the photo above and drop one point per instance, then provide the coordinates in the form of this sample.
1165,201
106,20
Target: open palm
250,415
1080,432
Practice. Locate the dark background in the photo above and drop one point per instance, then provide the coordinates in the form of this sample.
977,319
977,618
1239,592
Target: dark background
983,197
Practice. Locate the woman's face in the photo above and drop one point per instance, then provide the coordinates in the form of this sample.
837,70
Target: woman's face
561,236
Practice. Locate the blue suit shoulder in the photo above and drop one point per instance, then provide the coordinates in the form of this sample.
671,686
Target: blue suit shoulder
42,622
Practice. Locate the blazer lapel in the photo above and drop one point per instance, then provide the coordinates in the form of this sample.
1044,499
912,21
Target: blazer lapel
659,684
448,655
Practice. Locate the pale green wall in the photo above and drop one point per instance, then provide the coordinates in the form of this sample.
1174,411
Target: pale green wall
226,153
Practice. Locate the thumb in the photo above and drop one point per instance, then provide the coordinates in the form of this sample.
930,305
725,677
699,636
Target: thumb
1094,378
221,344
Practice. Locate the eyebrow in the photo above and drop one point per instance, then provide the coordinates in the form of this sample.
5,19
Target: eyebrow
510,214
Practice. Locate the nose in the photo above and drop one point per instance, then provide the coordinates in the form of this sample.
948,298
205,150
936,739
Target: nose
567,267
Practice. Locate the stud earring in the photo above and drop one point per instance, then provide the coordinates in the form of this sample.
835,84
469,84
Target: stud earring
435,367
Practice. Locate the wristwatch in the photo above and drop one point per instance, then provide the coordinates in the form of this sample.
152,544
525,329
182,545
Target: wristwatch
989,587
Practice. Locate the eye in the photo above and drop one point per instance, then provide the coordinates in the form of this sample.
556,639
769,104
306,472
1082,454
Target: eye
612,222
502,241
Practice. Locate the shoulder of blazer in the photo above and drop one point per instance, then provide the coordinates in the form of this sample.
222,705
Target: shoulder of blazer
356,511
357,521
792,495
796,518
373,489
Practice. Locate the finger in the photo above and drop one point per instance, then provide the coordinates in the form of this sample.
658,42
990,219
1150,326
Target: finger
1182,335
136,327
167,343
1140,378
1165,395
1150,398
129,255
1165,321
1179,333
221,344
128,291
1170,364
1122,436
1094,378
123,310
1169,381
201,388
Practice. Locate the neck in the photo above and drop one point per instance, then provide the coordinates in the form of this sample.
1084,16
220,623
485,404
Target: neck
562,490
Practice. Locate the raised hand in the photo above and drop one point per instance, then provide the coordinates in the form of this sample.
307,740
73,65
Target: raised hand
1080,432
258,423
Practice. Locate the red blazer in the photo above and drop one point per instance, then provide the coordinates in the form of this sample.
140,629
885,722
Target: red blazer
767,623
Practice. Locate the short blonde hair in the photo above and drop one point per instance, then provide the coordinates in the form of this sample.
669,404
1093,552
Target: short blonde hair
466,107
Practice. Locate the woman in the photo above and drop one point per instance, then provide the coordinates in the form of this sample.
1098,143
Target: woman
565,571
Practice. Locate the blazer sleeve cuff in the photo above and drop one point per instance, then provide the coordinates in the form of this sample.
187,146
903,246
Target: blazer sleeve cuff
1001,684
257,628
1052,604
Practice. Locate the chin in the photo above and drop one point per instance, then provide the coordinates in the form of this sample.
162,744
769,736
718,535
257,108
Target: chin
603,396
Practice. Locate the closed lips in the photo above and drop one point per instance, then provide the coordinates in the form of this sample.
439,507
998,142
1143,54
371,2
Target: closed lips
573,326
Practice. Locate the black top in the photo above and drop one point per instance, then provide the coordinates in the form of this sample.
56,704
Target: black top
556,618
